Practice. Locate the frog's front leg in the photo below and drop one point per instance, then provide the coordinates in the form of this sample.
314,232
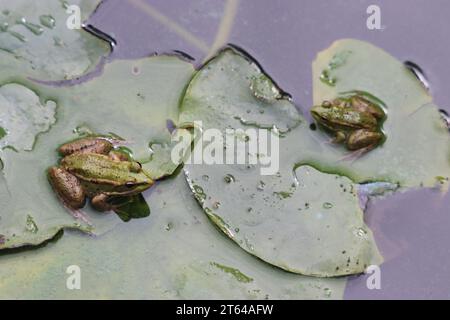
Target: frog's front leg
100,203
68,187
339,138
118,156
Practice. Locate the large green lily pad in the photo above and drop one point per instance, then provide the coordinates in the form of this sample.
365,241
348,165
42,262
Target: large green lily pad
173,254
258,211
132,99
417,149
297,218
36,41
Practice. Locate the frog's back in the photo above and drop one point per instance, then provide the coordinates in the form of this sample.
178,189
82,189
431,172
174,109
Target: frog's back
351,119
98,168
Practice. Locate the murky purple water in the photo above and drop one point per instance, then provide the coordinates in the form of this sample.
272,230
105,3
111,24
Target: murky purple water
284,36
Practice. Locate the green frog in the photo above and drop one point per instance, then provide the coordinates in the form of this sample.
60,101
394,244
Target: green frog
90,168
355,122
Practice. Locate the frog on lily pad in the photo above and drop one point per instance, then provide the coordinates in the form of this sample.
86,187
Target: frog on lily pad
355,121
91,168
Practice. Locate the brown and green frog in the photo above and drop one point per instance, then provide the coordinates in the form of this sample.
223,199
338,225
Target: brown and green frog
91,168
355,121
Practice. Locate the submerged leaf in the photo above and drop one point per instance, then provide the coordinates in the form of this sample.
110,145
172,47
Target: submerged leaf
133,207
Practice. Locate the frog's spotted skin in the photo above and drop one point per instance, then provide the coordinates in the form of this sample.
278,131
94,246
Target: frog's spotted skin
68,187
86,145
86,171
97,104
355,122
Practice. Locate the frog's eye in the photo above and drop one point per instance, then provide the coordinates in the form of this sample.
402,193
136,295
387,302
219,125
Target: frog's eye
129,184
135,167
326,104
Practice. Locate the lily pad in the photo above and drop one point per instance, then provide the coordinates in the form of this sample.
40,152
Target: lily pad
162,163
299,218
417,147
23,116
35,39
134,106
175,253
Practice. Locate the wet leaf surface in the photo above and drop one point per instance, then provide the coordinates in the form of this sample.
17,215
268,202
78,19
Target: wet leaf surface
417,146
133,106
34,35
258,211
175,253
297,218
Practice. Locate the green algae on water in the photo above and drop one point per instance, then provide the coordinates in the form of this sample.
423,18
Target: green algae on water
234,272
3,133
283,194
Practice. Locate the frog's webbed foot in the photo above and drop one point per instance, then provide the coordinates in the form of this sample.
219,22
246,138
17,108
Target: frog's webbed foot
355,155
79,215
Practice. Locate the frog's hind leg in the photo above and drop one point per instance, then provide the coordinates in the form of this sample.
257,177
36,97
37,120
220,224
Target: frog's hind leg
67,186
355,155
69,191
86,145
78,214
360,142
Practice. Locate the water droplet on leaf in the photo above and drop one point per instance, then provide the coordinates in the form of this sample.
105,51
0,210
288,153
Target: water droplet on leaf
47,21
327,205
228,178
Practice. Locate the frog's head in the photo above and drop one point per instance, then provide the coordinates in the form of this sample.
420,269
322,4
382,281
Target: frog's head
100,174
340,116
326,114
